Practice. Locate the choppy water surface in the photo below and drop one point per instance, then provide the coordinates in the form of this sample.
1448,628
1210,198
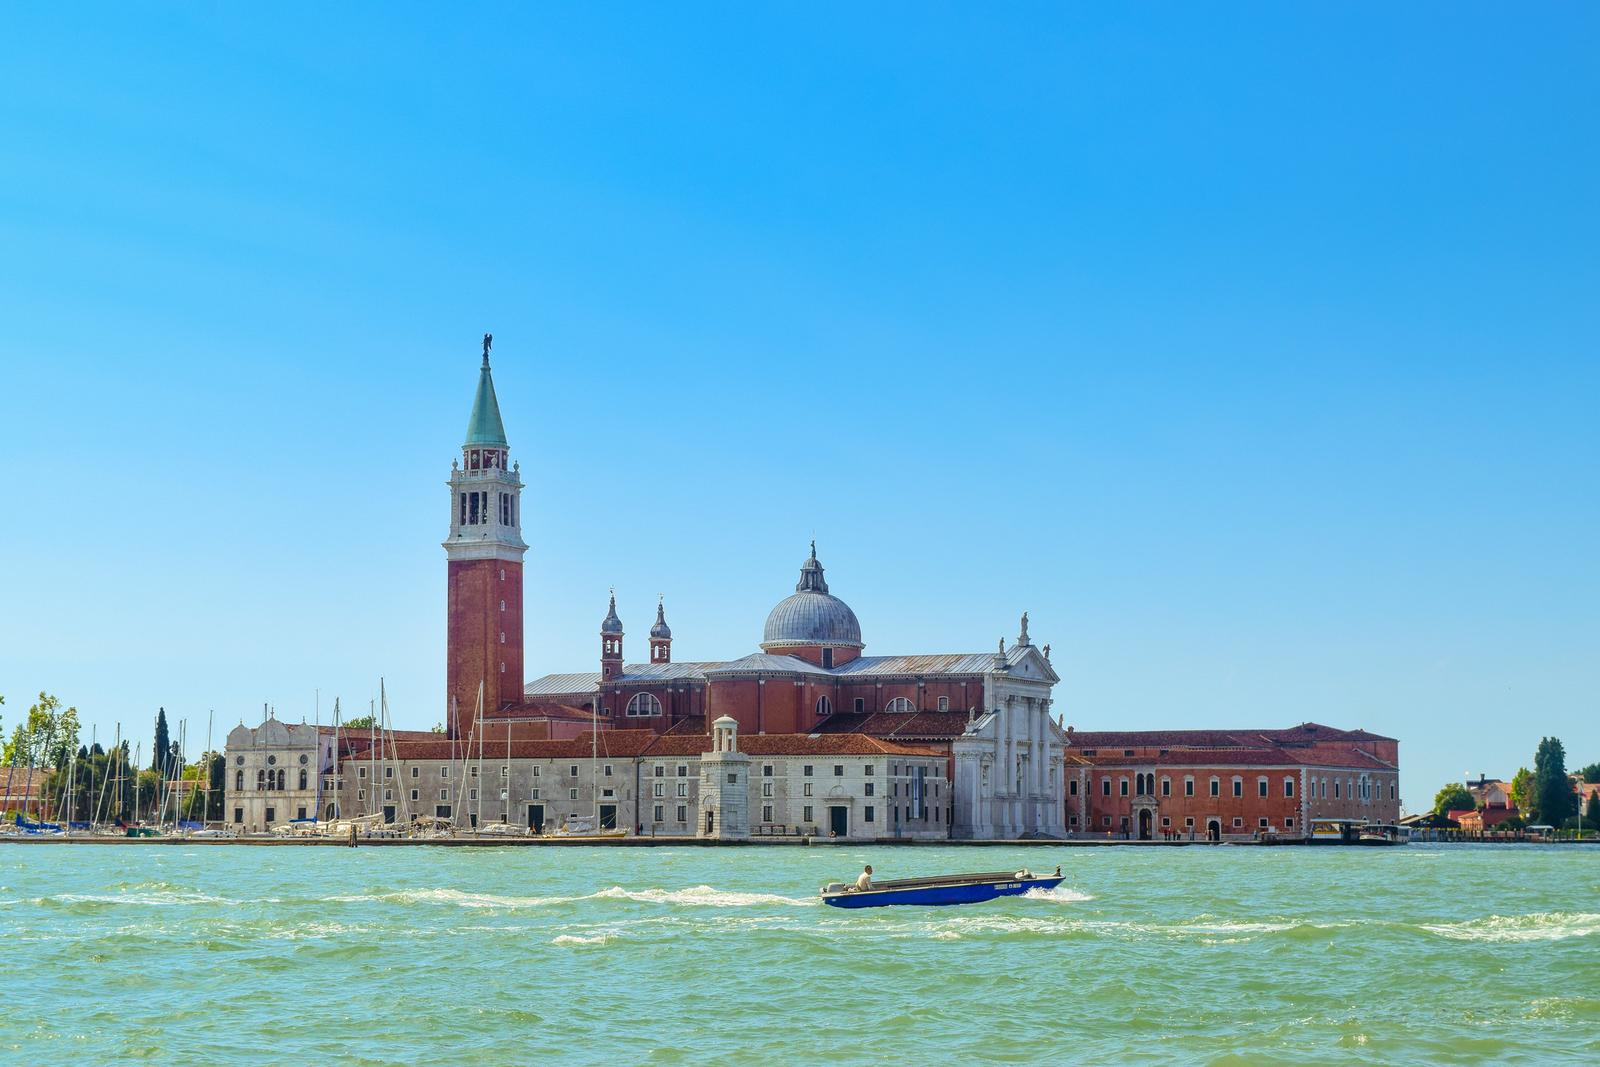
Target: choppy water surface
1426,954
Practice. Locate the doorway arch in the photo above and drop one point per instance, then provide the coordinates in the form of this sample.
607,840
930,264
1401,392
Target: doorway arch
1145,820
1214,830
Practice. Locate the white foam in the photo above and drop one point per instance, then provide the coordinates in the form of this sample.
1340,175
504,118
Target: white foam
1059,895
573,939
1538,926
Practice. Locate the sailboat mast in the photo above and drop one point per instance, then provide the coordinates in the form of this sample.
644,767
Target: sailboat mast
482,728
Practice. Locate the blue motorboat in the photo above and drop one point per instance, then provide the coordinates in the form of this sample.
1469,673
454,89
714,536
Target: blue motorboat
939,891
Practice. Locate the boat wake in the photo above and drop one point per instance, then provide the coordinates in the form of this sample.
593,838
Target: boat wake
1059,895
700,896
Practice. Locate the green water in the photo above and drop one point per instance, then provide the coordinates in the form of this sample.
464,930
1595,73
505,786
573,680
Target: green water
1426,954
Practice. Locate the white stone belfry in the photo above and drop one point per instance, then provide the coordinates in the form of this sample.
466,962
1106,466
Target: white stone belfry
724,785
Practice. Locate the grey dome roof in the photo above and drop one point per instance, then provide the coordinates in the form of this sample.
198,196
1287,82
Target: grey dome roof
661,630
812,616
611,624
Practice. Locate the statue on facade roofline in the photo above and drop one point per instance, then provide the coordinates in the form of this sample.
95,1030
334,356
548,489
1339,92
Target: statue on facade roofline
1022,639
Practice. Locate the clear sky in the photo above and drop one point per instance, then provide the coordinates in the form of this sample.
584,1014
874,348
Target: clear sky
1252,349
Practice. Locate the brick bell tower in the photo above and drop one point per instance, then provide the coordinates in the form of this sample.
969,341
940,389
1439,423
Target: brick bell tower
484,553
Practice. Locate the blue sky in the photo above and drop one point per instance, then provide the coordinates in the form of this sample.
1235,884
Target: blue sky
1251,349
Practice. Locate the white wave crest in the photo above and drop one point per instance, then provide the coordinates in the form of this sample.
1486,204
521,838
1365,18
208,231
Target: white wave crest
574,939
1538,926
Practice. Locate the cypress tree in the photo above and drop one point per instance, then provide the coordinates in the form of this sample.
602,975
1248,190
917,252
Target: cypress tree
1553,797
163,746
1592,813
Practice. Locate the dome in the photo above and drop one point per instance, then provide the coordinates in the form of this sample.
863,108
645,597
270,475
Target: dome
611,624
661,631
812,616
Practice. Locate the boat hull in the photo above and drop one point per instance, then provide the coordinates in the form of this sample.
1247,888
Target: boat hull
939,895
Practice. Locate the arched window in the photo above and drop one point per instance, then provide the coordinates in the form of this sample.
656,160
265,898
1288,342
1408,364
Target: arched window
302,777
238,781
280,780
824,707
901,704
261,780
643,705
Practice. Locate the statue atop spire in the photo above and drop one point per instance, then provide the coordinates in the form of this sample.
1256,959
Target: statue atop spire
488,342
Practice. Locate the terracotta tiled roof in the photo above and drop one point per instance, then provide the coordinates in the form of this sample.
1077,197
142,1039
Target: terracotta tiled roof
920,725
618,743
1268,756
535,709
1305,733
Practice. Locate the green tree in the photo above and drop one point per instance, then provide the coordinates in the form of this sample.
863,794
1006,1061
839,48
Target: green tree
1591,814
1591,773
47,739
1453,797
218,768
163,746
1522,790
360,722
1553,798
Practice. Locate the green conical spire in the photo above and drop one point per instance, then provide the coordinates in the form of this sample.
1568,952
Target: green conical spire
485,427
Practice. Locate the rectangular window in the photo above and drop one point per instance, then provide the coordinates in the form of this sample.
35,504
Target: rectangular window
766,770
733,778
1263,824
361,772
472,794
1288,787
838,770
869,789
535,793
1188,787
806,789
1189,822
444,772
766,791
861,705
805,815
661,771
1238,787
1216,788
1261,786
766,813
1288,824
413,772
870,813
607,770
1237,822
536,770
238,815
944,703
444,794
1072,787
867,770
505,771
1166,787
683,770
572,771
1105,787
806,770
388,772
572,794
683,789
661,789
827,664
416,795
1122,787
660,812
